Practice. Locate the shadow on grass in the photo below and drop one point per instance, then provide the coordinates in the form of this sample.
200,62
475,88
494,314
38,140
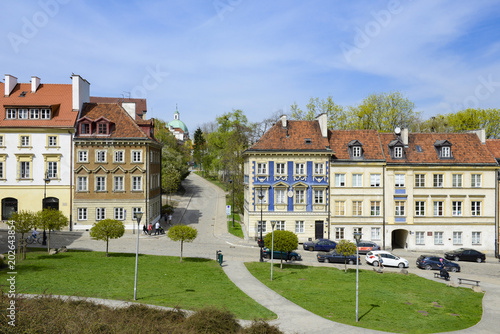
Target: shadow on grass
371,308
195,259
55,256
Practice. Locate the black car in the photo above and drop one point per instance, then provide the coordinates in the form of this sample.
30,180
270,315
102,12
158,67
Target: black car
320,245
465,254
429,262
287,256
334,257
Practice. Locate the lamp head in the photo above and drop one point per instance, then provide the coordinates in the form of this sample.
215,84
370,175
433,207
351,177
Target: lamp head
138,215
357,236
273,223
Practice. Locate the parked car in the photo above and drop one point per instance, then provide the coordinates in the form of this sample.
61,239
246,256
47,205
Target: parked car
465,254
366,246
388,259
429,262
320,245
287,256
334,257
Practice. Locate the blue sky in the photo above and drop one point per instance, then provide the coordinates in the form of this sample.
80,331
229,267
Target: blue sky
212,56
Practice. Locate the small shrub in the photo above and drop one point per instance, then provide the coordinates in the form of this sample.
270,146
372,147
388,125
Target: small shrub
261,327
212,320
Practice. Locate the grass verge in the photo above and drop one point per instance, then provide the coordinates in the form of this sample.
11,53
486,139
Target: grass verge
388,302
162,280
236,230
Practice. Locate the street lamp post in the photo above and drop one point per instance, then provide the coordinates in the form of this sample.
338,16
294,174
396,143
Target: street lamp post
261,197
138,215
357,237
46,181
273,223
232,208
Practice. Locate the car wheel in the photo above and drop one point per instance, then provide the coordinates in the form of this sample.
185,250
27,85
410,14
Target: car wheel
401,265
293,258
454,269
457,258
311,248
479,260
351,262
428,267
375,263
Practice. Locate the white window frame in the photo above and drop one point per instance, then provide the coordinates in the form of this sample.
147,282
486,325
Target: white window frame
136,156
457,237
438,208
457,208
400,208
119,183
83,156
261,168
375,180
280,225
476,238
299,226
119,213
475,181
52,169
100,214
319,197
263,224
136,183
280,195
25,141
119,156
34,113
339,233
300,168
420,238
420,208
24,169
52,141
438,238
45,113
340,180
300,196
82,214
438,180
319,169
419,180
375,208
100,156
339,208
100,183
280,168
457,180
11,113
445,152
375,232
475,208
82,183
22,114
357,180
356,151
357,208
398,152
399,180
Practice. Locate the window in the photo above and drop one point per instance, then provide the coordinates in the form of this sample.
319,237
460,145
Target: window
136,183
119,214
456,208
457,238
339,233
339,180
22,114
100,214
280,196
300,169
83,156
318,169
261,169
136,156
438,208
375,180
339,208
100,156
24,172
399,180
263,225
457,180
475,208
419,180
280,225
476,238
300,196
438,238
100,183
375,233
420,208
438,180
102,128
357,208
356,151
375,208
52,169
118,183
82,183
1,140
299,226
398,152
45,114
84,128
82,213
119,156
445,152
134,212
357,180
475,180
34,113
11,113
280,168
399,207
318,197
1,170
52,141
25,141
419,238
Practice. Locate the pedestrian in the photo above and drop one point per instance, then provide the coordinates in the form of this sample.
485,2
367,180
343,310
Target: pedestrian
150,229
169,219
442,270
144,229
380,262
157,228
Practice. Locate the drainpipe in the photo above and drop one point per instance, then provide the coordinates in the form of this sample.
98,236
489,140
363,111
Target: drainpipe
71,175
496,215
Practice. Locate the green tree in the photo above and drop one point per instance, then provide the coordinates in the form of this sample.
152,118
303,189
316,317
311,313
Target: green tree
170,179
51,219
24,222
183,234
473,119
199,147
284,241
107,229
346,248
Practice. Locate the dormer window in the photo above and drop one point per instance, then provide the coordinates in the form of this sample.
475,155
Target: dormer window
102,128
356,152
355,149
443,149
396,148
85,129
445,152
398,152
44,113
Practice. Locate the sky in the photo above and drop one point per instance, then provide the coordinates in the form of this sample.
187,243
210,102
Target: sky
208,57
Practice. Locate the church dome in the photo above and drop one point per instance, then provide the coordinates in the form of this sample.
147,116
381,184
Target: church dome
177,123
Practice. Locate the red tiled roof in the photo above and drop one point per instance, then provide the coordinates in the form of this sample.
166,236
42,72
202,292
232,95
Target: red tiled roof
140,104
58,96
339,140
466,149
493,146
124,125
292,138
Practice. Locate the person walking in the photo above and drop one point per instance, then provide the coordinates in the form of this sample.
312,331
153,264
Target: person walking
144,229
380,263
150,229
157,228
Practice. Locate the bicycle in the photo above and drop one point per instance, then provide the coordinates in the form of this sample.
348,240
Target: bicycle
31,240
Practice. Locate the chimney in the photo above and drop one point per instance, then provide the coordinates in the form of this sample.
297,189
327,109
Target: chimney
404,136
144,114
10,83
283,121
81,92
323,124
481,133
35,82
129,108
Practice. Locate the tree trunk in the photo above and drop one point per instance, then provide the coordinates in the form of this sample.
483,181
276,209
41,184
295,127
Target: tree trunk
107,243
182,241
48,243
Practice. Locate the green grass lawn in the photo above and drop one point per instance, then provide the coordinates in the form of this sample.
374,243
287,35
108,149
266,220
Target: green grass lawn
388,302
236,230
162,280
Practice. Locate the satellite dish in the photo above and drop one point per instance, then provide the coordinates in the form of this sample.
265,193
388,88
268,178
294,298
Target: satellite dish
397,131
